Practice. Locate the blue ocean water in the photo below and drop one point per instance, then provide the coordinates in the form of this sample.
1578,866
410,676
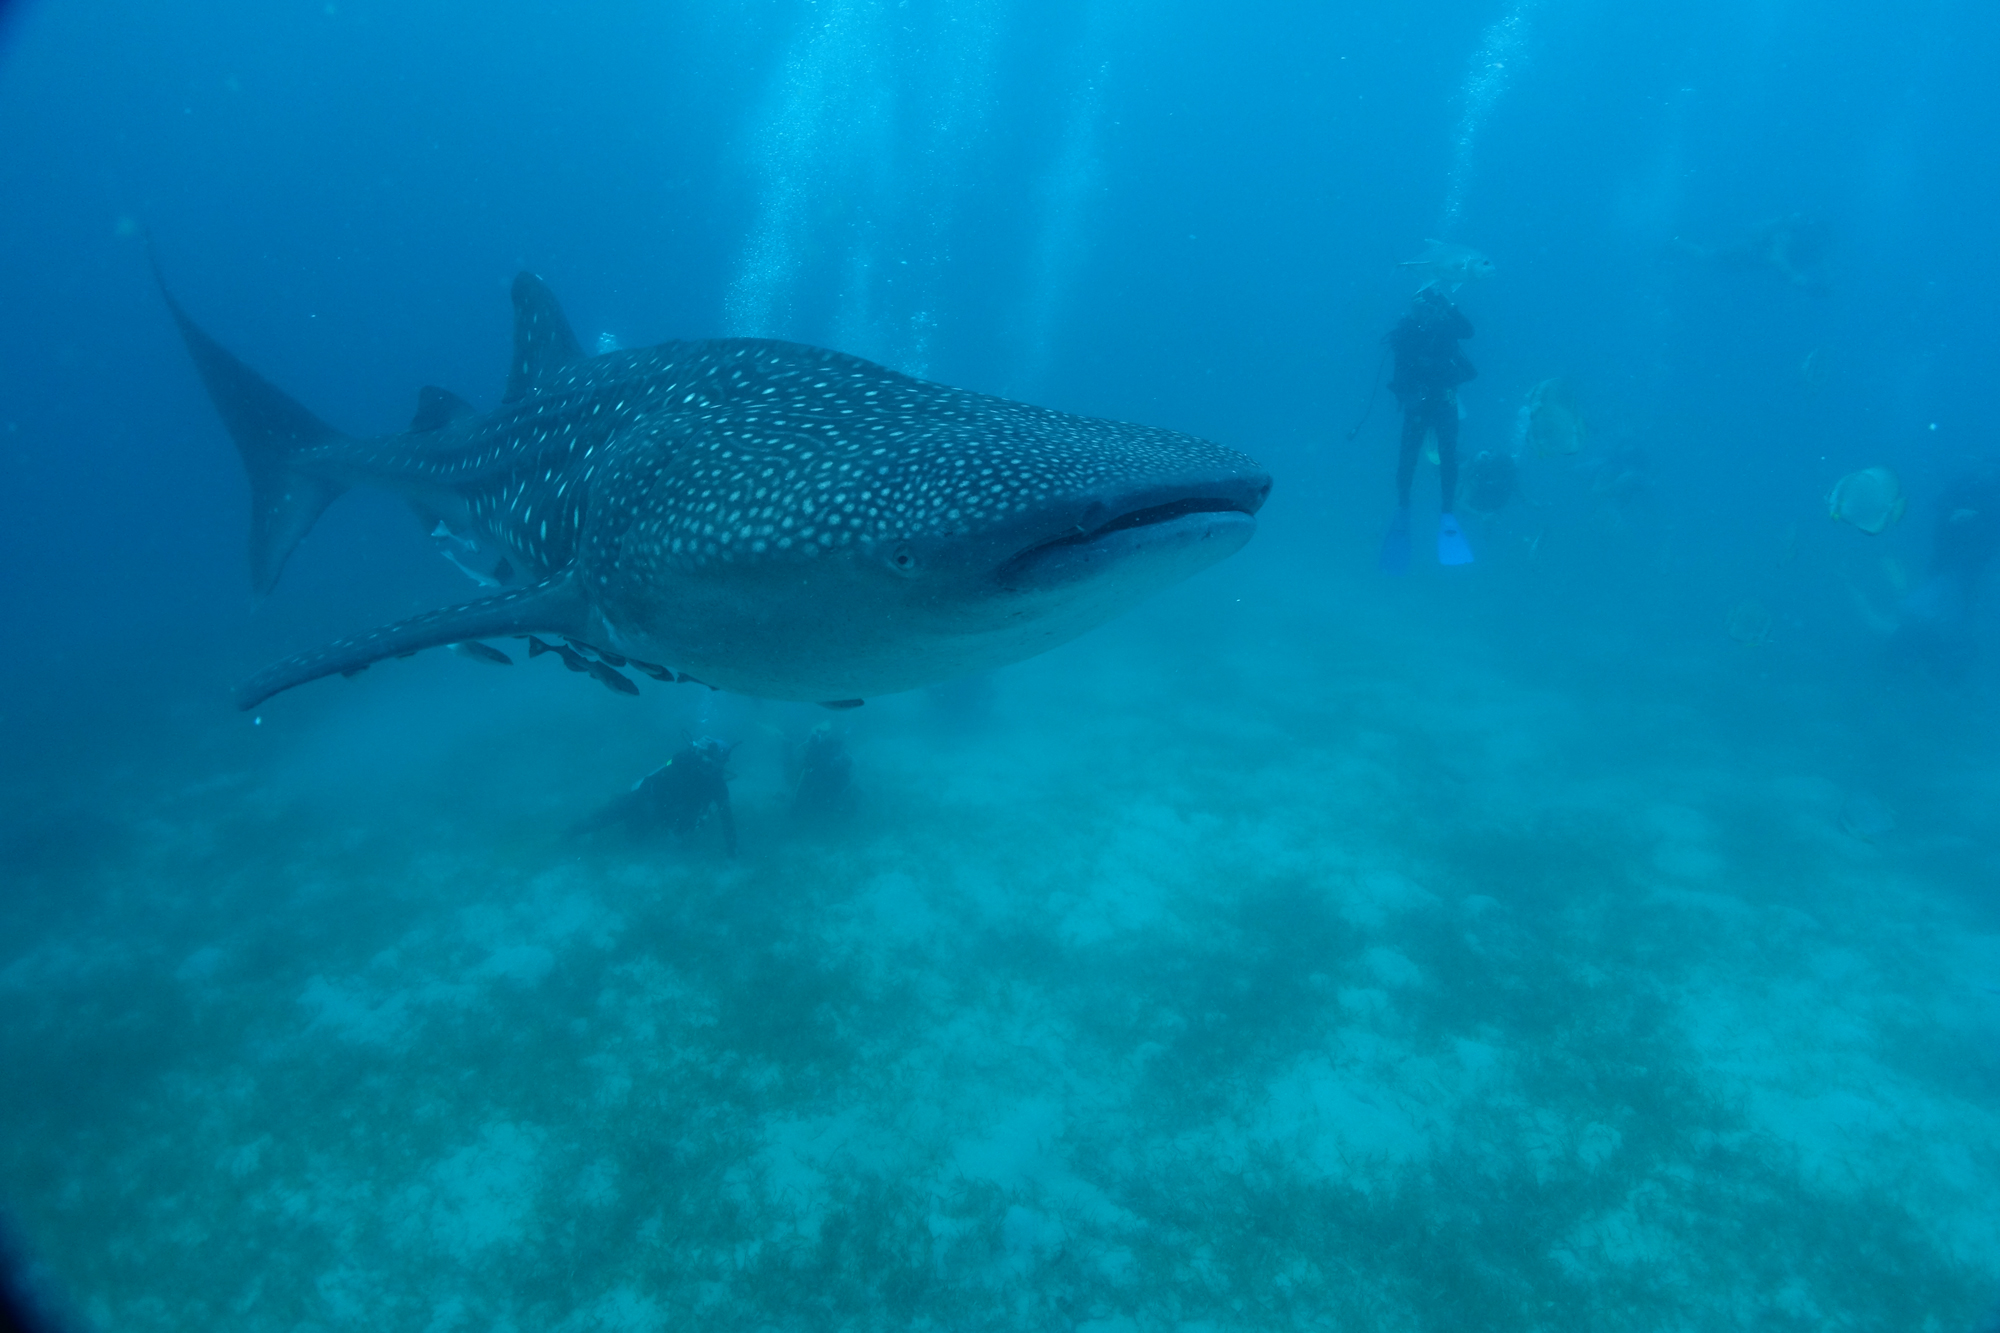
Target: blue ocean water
1602,936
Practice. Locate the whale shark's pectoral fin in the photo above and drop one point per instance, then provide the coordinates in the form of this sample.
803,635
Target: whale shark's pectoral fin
553,606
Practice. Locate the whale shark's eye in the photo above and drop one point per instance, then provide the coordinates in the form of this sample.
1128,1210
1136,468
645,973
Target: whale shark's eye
904,560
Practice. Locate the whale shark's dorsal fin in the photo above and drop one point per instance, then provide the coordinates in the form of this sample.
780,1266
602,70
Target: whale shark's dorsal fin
543,342
438,408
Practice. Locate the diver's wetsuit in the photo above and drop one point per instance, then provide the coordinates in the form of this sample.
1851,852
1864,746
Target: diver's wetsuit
677,797
1936,621
1966,536
1429,369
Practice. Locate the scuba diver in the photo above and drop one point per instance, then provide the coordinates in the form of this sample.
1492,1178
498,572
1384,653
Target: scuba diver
1429,369
1792,248
1935,628
1492,479
823,777
679,797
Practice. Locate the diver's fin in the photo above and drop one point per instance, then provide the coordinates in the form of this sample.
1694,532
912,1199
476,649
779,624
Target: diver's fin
438,408
1452,546
273,432
1395,557
543,342
553,606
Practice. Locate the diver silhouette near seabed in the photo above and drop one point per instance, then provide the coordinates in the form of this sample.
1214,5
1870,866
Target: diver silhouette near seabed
1792,247
689,791
1429,369
1935,622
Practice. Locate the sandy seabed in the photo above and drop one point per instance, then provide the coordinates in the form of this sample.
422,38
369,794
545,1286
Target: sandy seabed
1297,969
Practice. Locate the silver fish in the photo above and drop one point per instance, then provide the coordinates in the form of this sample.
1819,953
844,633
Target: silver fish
1449,266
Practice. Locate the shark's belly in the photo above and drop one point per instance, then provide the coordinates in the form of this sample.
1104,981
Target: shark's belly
811,638
773,655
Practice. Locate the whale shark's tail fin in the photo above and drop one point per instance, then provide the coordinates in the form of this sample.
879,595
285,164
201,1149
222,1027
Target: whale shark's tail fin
553,606
276,435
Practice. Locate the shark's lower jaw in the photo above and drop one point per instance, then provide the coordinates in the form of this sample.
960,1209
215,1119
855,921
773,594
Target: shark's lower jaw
1174,538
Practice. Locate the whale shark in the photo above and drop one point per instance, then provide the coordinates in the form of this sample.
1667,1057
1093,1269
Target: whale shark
765,517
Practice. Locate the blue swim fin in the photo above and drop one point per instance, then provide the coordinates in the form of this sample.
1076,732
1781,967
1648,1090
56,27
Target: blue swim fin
1452,548
1395,558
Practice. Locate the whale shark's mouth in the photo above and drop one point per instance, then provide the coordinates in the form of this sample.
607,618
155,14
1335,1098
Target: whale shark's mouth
1139,518
1184,519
